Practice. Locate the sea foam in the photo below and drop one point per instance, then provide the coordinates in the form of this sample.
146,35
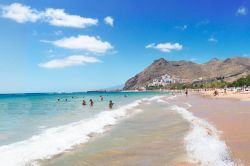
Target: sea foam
59,139
202,142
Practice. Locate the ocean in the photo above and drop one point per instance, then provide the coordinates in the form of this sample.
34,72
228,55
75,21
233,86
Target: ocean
142,128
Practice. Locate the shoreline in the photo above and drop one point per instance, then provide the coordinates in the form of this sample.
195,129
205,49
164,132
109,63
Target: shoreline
230,116
149,138
199,149
206,128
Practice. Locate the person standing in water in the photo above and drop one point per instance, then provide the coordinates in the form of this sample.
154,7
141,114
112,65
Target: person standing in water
111,104
91,102
101,98
83,102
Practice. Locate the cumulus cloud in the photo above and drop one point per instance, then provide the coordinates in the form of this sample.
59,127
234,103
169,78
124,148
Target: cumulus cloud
242,11
56,17
84,42
109,21
212,39
20,13
74,60
165,47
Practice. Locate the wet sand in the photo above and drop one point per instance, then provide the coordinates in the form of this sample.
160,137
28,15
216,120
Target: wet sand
231,117
151,138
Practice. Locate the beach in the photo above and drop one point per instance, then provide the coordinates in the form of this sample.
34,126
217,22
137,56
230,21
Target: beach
173,130
230,94
145,129
147,138
230,115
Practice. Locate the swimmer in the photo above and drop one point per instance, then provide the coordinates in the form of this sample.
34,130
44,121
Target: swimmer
111,104
91,102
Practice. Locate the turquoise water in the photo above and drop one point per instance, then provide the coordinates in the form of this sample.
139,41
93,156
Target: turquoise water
25,115
38,127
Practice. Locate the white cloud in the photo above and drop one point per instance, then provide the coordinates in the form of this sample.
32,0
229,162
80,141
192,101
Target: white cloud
212,39
20,13
242,11
84,42
74,60
109,21
56,17
165,47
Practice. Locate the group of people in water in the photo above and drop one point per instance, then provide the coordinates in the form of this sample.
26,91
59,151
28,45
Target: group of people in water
91,102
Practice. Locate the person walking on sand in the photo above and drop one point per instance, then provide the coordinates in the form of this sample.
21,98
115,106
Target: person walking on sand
111,104
91,102
186,92
216,93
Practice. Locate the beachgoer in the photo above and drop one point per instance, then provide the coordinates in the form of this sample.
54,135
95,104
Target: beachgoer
111,104
83,102
216,93
58,100
91,102
101,98
225,91
186,92
66,99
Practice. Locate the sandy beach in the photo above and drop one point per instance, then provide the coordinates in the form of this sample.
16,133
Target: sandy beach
230,116
162,129
146,139
243,96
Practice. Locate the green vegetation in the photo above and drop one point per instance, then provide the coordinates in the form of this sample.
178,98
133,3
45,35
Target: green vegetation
241,82
244,81
155,87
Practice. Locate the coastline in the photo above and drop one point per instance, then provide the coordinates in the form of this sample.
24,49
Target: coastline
141,139
148,138
176,130
230,116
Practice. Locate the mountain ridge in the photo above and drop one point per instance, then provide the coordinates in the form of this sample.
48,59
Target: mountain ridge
228,69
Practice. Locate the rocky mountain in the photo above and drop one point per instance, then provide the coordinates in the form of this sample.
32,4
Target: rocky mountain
229,70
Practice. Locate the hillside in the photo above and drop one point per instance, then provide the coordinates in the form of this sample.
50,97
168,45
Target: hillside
167,72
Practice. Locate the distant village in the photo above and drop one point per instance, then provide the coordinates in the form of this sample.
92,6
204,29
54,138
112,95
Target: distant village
166,80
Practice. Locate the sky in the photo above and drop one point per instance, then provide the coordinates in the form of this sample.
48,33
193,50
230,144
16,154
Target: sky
79,45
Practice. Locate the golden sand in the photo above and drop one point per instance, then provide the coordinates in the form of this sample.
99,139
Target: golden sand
243,96
232,117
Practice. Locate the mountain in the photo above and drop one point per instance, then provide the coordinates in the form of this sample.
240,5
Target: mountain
162,70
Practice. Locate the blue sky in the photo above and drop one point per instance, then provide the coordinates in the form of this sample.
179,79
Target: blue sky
52,45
